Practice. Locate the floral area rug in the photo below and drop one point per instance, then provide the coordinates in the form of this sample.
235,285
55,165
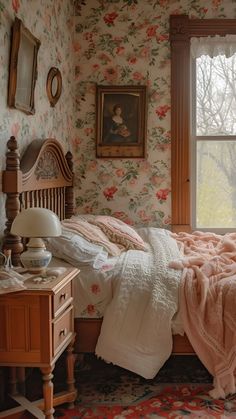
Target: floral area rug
179,390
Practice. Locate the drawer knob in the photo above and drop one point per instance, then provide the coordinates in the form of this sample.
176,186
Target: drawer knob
63,296
63,332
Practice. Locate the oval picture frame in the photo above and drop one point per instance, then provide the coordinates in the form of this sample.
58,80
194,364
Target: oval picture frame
54,85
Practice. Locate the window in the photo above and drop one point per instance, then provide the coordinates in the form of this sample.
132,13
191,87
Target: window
213,151
182,30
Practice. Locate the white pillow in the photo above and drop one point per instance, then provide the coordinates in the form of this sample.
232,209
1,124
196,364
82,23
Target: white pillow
76,250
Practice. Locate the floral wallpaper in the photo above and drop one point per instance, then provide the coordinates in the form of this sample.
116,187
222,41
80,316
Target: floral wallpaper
51,21
126,42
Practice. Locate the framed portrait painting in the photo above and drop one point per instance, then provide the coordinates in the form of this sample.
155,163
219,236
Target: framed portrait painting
121,121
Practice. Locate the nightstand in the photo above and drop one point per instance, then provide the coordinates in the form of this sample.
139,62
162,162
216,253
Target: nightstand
36,327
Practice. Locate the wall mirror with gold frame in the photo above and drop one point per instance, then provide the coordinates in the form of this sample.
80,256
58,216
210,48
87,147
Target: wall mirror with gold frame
54,85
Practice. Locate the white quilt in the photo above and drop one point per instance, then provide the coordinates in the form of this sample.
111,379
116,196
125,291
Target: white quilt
136,330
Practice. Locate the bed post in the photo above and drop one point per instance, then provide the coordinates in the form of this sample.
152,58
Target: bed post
69,195
11,185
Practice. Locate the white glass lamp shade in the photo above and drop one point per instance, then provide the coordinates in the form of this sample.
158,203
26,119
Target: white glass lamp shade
35,223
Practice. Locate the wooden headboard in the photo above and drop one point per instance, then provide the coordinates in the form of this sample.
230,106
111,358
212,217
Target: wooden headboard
43,177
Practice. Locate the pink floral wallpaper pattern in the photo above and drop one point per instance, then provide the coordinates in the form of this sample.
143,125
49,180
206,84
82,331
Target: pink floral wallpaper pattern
109,42
51,21
126,42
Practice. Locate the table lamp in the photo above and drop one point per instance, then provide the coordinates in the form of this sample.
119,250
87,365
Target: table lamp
35,224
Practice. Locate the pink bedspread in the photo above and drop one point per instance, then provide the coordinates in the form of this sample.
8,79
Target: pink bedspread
208,303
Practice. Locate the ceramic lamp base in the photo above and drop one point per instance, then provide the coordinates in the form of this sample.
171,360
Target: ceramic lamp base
36,259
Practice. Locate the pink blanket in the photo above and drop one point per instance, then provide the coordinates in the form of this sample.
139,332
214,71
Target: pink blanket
208,303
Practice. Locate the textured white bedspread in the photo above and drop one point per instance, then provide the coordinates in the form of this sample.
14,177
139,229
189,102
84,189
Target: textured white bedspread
136,330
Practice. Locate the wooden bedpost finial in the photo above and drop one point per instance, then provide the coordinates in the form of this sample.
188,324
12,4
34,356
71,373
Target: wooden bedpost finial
12,156
69,195
69,159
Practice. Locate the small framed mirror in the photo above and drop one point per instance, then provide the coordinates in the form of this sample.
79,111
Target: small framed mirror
23,68
54,85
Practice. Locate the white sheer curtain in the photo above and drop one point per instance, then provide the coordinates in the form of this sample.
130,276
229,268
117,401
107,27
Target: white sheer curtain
214,115
213,46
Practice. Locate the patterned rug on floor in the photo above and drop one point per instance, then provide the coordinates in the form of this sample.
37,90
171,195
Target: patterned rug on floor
179,390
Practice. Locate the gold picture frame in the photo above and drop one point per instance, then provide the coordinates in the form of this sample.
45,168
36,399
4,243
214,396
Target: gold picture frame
121,116
54,85
23,68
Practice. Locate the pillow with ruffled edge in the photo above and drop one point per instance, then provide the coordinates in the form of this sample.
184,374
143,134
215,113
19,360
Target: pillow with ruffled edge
76,250
92,233
85,217
119,232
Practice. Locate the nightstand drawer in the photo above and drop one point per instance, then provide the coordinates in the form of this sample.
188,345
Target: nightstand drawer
62,329
62,299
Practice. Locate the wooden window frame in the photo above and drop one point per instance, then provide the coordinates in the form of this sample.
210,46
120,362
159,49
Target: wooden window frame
182,29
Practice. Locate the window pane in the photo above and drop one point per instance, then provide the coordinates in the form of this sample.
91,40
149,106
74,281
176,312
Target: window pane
216,95
216,184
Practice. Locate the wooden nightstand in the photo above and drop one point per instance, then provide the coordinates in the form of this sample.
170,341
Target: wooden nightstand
36,326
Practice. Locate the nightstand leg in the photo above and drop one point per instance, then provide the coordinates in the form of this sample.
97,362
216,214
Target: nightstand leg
70,362
13,390
21,379
48,391
17,380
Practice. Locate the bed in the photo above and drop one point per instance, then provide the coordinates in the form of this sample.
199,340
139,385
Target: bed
43,176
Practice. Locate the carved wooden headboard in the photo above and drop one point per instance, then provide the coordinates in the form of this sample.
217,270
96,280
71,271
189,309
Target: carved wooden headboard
43,177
